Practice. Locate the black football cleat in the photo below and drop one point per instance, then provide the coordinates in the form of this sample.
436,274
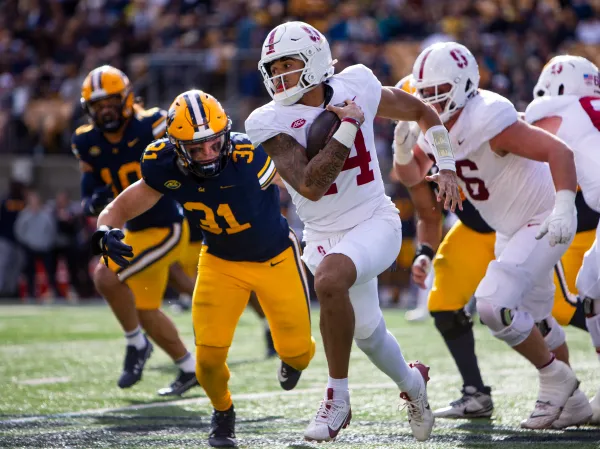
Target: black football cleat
222,429
135,359
271,352
182,383
288,376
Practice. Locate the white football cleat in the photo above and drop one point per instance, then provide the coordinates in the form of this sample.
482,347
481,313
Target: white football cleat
420,416
333,415
577,411
472,404
557,384
595,404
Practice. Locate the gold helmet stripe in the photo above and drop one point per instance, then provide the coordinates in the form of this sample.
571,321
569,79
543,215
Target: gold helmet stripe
196,108
97,79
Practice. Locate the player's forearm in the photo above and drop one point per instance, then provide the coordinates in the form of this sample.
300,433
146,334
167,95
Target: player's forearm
132,202
324,168
562,167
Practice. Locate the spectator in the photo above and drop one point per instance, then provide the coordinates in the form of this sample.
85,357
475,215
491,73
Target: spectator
35,229
70,221
11,255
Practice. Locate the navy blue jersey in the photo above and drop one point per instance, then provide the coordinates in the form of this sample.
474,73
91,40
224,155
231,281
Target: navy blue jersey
119,164
238,210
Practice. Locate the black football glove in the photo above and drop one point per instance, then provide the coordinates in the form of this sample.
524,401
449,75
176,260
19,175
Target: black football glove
108,242
101,197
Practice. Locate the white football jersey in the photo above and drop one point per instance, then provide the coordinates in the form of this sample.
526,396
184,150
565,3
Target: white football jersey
580,129
358,191
507,191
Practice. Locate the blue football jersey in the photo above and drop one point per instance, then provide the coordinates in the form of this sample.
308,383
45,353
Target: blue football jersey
119,164
238,210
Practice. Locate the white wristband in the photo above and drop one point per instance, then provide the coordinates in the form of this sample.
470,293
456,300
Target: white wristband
346,134
564,202
438,139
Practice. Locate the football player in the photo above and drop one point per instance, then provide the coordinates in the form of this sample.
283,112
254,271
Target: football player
458,270
109,151
226,185
567,104
352,229
499,163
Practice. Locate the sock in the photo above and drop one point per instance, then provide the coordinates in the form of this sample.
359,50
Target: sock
340,388
384,351
186,363
462,350
548,366
136,338
266,324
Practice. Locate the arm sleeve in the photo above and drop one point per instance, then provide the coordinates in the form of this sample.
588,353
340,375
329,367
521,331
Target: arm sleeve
498,116
265,167
262,126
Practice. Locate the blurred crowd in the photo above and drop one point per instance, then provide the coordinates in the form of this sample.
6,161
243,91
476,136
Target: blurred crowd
37,236
48,46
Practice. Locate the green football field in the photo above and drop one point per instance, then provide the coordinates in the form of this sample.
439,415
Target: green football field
59,366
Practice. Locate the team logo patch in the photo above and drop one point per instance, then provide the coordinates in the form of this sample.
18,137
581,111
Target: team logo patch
298,123
95,151
172,184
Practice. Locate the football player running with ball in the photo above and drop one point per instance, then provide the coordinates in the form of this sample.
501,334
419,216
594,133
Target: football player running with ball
352,229
567,104
226,185
531,205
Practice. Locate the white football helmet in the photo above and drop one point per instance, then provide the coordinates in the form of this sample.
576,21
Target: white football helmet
300,41
447,63
568,75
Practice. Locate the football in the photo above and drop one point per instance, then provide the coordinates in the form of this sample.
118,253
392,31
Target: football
321,131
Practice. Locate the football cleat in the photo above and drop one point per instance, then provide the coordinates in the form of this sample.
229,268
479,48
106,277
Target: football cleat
595,404
556,387
576,412
182,383
333,415
222,429
288,377
135,359
420,417
472,404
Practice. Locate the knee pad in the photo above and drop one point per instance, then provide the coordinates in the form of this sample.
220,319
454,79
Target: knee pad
210,358
591,308
553,333
511,326
368,345
301,362
452,324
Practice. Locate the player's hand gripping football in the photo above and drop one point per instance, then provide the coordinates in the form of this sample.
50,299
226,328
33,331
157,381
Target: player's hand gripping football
350,110
448,190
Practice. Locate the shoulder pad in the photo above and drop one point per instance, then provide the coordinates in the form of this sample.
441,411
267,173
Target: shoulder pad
84,129
547,107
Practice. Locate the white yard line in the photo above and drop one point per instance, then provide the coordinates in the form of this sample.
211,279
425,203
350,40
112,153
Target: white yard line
42,381
197,401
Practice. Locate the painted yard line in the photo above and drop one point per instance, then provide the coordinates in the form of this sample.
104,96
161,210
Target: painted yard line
198,401
42,380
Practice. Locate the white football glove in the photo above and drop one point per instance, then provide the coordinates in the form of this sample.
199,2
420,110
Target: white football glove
406,135
561,224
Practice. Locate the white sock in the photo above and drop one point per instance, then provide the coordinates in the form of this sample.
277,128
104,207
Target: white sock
136,338
186,363
340,388
383,350
266,324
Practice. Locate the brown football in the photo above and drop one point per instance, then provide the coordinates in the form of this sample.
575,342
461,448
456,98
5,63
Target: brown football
321,131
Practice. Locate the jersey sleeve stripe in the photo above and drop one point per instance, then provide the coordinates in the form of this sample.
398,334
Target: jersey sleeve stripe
159,121
160,130
268,176
265,167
